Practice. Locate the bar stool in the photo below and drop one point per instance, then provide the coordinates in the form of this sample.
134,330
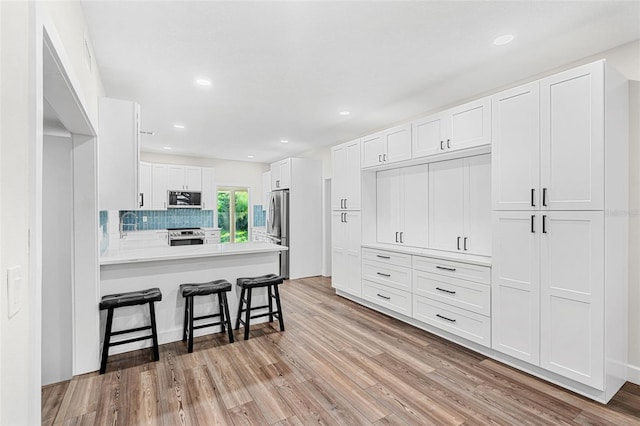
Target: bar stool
247,284
217,288
113,301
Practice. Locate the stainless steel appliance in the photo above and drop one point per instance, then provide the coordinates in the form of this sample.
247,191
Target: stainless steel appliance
278,226
184,199
185,236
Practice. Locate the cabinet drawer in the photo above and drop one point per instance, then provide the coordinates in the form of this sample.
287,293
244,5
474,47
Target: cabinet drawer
465,271
389,257
467,324
388,297
452,291
389,275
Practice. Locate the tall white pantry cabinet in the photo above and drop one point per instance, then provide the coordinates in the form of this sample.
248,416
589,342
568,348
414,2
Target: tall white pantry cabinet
560,222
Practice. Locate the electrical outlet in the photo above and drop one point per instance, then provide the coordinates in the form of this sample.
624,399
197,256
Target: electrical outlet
14,289
144,219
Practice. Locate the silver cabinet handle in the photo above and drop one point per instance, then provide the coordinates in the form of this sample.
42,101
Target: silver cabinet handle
383,275
544,223
445,268
384,158
448,144
465,243
141,198
533,216
345,218
441,146
379,158
445,290
383,257
384,297
533,197
544,197
458,243
345,203
445,318
396,236
401,232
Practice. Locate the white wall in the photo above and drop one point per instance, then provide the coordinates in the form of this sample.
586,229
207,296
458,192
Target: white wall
57,232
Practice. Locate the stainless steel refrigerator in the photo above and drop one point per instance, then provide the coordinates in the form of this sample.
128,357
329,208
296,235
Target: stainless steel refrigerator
278,226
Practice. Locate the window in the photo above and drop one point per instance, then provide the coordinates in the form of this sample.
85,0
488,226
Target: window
233,214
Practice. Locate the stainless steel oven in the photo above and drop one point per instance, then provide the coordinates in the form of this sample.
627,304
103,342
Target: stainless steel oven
185,236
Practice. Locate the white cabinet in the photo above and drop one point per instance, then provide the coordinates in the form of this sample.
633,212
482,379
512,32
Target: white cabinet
159,186
211,236
387,147
460,205
345,257
386,279
345,189
209,195
184,178
145,201
281,174
462,127
118,154
402,200
549,143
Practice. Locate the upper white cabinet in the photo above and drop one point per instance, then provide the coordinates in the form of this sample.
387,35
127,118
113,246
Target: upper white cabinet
209,195
281,174
402,206
386,147
460,205
146,186
549,143
159,186
118,154
465,126
186,178
345,189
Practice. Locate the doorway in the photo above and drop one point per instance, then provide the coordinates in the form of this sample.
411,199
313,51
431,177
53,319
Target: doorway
233,214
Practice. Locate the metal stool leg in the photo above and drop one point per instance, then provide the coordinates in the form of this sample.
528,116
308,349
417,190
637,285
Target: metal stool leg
154,332
247,319
227,318
107,339
280,319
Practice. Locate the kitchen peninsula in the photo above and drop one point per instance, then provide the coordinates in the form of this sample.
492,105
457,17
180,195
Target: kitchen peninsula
167,267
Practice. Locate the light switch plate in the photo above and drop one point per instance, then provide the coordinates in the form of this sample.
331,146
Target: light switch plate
14,289
144,219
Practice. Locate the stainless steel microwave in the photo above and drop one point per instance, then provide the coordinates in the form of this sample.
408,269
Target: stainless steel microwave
184,199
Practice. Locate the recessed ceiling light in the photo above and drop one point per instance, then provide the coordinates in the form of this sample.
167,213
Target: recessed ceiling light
345,112
284,141
503,39
178,126
249,156
167,147
203,82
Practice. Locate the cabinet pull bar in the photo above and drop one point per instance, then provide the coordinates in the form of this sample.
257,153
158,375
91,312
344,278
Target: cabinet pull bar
458,243
444,290
465,243
345,218
441,146
533,197
141,199
345,203
384,158
396,236
379,158
401,232
445,318
544,197
544,223
445,268
383,257
383,275
448,143
533,231
384,297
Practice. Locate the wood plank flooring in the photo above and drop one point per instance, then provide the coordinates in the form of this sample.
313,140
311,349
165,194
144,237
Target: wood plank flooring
336,363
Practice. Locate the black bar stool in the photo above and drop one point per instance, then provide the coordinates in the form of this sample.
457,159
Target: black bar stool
217,288
270,281
113,301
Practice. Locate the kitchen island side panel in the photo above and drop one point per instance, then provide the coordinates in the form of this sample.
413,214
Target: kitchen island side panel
167,275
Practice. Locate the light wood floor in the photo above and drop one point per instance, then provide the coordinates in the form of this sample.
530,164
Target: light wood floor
336,363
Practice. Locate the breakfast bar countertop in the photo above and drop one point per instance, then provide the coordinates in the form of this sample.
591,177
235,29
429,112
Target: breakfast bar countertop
151,254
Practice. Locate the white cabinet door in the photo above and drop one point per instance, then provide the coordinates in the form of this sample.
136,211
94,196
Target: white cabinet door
352,176
397,144
428,135
372,150
469,125
339,180
193,178
346,259
515,151
572,139
275,176
338,251
281,174
145,201
209,195
477,208
446,205
175,178
415,202
389,206
159,187
572,295
515,285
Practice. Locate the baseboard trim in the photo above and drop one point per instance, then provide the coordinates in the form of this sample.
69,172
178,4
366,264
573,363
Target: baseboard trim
633,374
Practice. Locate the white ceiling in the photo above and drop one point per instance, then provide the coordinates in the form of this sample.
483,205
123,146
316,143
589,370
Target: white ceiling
284,70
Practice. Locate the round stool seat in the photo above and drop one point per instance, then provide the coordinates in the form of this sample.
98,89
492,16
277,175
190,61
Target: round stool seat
204,289
261,281
131,298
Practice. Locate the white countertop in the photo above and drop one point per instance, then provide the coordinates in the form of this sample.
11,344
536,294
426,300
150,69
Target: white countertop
437,254
152,254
